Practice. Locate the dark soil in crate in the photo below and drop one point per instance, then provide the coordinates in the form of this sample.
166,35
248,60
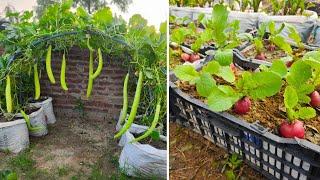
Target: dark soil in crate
269,112
250,53
193,157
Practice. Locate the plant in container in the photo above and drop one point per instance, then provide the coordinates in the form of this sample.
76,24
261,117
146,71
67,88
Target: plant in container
145,122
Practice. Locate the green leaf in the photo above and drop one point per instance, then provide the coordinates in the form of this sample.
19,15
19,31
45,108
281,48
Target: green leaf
290,97
179,35
281,43
300,72
212,67
186,73
163,27
155,135
224,57
230,175
279,68
303,92
226,73
103,16
307,113
222,98
260,85
219,23
205,84
294,34
312,54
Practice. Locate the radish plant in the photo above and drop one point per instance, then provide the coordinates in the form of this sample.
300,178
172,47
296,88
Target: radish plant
238,92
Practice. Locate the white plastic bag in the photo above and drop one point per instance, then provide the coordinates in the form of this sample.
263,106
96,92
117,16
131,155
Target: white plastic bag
303,24
14,136
38,119
47,108
141,160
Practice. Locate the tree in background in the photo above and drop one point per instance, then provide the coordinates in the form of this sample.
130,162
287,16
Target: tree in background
89,5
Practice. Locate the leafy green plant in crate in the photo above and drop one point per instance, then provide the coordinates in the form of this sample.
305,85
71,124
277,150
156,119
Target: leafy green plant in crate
232,92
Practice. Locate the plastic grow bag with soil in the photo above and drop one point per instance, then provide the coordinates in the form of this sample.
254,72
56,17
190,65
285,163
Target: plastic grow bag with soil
269,154
14,136
46,104
141,160
248,21
303,24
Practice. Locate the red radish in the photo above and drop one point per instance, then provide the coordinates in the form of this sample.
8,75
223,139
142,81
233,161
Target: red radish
194,57
271,47
290,130
315,99
289,63
185,56
233,68
260,56
242,106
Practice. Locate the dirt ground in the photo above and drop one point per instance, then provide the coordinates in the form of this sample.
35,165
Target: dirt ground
73,149
193,157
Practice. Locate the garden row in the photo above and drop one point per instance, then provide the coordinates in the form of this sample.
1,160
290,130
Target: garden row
255,91
29,45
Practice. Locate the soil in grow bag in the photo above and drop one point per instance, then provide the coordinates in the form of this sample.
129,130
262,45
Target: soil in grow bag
250,52
41,99
4,119
159,144
270,112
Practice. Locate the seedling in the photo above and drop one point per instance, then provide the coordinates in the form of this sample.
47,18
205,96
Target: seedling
232,164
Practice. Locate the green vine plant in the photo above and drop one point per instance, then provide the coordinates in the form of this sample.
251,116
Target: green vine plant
29,43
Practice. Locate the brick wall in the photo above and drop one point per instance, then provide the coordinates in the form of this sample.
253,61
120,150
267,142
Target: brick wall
106,97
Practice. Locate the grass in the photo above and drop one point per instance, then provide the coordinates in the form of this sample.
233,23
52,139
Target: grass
63,171
24,164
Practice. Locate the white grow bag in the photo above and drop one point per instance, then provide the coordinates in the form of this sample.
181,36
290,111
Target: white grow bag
141,160
47,108
303,24
14,136
37,120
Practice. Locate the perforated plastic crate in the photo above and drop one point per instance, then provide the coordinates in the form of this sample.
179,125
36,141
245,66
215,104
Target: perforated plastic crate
273,156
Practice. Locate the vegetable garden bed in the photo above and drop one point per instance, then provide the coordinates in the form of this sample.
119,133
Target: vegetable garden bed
261,123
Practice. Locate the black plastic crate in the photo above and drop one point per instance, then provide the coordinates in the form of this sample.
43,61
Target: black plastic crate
273,156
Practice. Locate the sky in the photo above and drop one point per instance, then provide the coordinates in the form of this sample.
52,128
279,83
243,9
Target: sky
155,11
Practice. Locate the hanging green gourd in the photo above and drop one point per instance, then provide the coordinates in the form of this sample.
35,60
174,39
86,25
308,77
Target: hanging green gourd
90,79
8,94
100,65
153,124
125,99
48,65
36,82
134,107
63,73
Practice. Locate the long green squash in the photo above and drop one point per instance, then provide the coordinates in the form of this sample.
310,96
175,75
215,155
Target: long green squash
153,125
36,82
100,65
134,107
63,73
125,99
27,119
48,66
90,79
8,95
